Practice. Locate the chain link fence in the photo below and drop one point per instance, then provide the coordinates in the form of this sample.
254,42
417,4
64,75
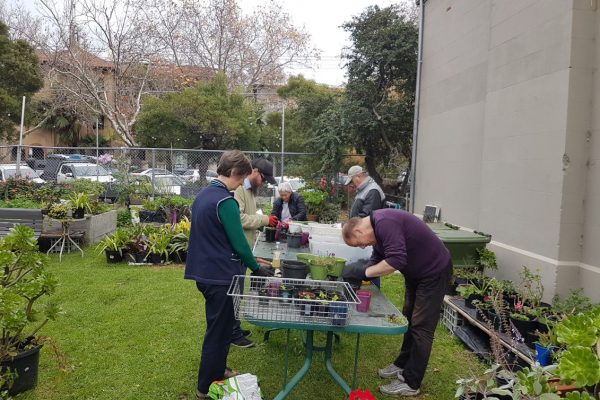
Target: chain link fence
182,171
177,171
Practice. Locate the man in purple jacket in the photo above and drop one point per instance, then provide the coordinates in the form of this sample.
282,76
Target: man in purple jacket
402,242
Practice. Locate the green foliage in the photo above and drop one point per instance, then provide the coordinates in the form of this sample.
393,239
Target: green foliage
578,396
20,202
330,213
577,330
207,116
23,281
115,242
580,361
314,200
92,188
316,124
530,289
17,187
158,243
382,65
20,75
50,193
123,218
485,384
80,200
59,211
579,364
532,383
575,302
487,259
468,290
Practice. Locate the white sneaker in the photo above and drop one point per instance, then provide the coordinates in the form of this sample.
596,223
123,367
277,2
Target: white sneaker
391,371
398,388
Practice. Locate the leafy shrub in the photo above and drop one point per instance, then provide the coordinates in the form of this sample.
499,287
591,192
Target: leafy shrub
23,282
123,218
17,187
91,188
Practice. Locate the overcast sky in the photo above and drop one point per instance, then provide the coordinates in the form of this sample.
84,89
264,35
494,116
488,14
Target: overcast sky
322,19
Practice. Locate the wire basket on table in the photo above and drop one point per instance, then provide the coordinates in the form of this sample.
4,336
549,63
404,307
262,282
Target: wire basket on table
298,301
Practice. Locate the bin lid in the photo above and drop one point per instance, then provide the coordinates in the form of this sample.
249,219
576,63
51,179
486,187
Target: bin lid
441,226
460,236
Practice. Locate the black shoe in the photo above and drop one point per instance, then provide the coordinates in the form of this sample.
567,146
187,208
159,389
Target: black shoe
243,342
246,333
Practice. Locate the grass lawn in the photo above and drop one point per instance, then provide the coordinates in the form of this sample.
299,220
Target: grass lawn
132,332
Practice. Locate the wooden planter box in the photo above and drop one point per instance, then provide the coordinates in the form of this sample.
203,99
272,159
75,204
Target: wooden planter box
94,227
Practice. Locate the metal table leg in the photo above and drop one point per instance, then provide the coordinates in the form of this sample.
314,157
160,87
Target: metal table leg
336,377
300,374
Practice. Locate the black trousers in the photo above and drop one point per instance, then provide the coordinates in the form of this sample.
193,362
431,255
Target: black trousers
422,304
219,323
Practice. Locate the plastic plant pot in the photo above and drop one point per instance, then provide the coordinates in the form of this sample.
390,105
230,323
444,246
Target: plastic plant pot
294,269
339,313
337,267
270,234
294,240
544,354
318,272
365,300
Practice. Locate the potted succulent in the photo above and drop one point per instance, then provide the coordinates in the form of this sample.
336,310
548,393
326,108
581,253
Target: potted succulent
80,203
23,282
579,362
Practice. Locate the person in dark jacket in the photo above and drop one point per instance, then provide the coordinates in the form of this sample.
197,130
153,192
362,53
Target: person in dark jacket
402,242
218,251
369,195
289,206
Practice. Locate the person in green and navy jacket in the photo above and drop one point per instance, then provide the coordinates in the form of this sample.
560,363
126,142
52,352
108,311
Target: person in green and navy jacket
218,251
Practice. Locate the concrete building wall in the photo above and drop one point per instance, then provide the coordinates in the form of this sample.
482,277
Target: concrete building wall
506,131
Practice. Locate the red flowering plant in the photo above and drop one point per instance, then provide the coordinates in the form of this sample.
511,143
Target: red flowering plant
16,187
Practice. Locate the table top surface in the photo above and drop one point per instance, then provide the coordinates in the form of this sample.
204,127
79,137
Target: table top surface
264,249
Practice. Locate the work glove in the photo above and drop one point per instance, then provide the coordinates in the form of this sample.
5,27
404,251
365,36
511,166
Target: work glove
273,220
354,274
263,270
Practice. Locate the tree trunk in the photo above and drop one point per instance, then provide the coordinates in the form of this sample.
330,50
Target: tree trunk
370,161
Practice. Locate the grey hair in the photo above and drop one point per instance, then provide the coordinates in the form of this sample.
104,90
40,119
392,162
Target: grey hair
285,187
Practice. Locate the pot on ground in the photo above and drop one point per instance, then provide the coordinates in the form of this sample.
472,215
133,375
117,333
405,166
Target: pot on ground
25,365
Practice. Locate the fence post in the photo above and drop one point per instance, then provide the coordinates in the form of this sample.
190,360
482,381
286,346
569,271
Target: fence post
153,167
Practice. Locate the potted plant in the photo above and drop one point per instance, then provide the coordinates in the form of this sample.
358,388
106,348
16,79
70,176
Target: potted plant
23,282
59,211
151,211
482,386
314,199
113,245
80,203
158,247
523,320
544,347
579,362
180,240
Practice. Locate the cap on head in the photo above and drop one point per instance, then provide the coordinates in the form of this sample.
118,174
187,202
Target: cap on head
265,167
352,172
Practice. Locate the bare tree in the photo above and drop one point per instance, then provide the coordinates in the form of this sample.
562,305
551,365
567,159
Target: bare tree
249,49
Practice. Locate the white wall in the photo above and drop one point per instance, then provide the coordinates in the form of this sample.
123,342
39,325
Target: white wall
504,136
